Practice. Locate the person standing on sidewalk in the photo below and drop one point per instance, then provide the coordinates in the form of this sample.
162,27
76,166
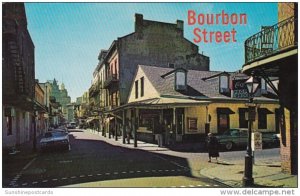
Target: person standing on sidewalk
128,132
212,147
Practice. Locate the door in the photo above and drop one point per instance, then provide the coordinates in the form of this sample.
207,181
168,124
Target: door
179,123
223,122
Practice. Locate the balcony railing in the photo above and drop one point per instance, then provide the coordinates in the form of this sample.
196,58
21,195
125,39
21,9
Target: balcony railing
271,40
110,79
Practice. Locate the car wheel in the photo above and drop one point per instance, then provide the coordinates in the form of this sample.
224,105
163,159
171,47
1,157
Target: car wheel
229,146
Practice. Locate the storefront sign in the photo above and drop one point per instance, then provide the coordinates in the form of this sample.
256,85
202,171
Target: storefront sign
239,89
256,142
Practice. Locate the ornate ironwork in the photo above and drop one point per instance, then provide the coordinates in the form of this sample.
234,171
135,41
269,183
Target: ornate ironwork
271,40
111,78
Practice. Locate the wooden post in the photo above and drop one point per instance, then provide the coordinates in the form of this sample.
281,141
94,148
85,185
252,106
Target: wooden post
116,127
135,126
175,125
124,126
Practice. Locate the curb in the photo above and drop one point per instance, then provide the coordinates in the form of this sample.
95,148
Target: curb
216,179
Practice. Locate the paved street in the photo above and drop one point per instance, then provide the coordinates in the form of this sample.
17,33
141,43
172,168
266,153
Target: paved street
94,162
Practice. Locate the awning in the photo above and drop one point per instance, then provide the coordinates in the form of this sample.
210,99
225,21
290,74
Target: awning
225,111
167,102
91,119
265,111
161,103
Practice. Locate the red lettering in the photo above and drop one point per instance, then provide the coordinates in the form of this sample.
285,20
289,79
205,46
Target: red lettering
204,32
233,31
197,38
218,37
191,17
226,37
225,18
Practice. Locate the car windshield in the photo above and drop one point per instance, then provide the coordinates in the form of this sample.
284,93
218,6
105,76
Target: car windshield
47,135
58,134
55,134
232,132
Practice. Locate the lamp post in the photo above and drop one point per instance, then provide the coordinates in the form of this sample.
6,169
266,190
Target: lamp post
252,85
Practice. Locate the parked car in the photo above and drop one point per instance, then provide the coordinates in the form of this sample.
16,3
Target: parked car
71,125
238,137
63,128
56,139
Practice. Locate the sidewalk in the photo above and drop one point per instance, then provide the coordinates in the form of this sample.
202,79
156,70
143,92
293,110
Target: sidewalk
14,163
266,173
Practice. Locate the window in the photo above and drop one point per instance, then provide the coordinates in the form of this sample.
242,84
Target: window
171,65
9,125
263,86
136,89
224,84
116,65
243,112
180,80
262,119
142,86
223,122
192,124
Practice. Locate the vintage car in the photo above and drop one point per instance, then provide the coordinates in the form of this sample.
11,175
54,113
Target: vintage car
238,138
56,139
71,125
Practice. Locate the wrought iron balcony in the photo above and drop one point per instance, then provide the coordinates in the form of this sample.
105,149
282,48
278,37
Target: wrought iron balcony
112,78
271,40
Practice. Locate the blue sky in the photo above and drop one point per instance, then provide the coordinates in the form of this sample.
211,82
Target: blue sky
69,36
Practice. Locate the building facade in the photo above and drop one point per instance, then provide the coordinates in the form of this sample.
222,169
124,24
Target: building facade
189,104
18,82
273,52
152,43
41,112
61,96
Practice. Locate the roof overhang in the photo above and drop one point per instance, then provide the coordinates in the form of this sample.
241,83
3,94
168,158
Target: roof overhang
270,64
161,103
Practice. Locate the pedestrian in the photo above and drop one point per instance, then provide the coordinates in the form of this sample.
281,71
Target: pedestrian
167,133
128,132
212,147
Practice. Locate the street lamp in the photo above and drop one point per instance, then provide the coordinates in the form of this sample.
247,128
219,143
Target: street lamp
252,85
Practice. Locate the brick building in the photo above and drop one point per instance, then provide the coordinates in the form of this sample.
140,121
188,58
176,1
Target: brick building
18,76
273,52
152,43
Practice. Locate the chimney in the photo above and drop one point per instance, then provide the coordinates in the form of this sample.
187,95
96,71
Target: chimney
179,26
138,22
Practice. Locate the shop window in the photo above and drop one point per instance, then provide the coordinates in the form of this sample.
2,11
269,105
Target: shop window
136,89
192,124
223,122
142,86
243,112
9,125
262,119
